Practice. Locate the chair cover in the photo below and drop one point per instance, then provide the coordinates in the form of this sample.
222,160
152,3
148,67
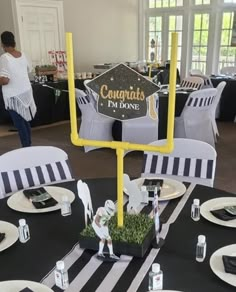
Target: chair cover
192,82
195,121
94,126
191,161
32,166
216,107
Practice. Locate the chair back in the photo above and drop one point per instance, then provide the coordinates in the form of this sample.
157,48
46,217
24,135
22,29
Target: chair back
192,82
206,80
220,87
32,166
191,161
200,99
228,70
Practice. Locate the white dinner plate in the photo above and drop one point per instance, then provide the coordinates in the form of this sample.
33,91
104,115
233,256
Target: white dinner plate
171,188
11,235
17,285
215,204
20,203
217,266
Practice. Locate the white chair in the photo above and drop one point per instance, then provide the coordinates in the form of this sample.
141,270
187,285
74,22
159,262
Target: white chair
190,161
93,96
93,126
216,107
32,166
195,121
206,80
143,130
192,82
228,70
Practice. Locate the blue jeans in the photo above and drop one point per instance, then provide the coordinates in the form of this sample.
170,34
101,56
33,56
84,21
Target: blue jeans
23,128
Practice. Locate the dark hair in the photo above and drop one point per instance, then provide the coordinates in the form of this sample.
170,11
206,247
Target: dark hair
8,39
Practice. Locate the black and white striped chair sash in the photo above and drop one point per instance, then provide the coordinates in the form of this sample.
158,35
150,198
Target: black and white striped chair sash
83,99
200,101
15,180
189,167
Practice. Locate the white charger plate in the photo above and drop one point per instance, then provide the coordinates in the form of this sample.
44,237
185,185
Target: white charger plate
171,189
215,204
17,285
217,266
19,202
11,235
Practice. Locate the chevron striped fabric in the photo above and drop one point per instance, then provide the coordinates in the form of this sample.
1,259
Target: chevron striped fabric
200,102
11,181
189,167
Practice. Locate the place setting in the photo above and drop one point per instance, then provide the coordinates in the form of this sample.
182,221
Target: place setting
170,188
221,211
39,200
8,235
23,286
223,264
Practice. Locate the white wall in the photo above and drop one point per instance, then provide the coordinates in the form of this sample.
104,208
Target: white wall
104,31
6,16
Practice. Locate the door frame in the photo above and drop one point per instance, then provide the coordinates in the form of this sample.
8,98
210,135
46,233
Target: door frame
17,17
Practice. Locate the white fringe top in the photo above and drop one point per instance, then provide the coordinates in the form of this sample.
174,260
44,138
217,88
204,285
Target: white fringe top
17,94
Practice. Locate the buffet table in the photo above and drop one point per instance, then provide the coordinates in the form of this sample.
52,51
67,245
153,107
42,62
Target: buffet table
52,105
54,237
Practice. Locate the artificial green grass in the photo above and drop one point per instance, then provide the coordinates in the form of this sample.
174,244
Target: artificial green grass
135,229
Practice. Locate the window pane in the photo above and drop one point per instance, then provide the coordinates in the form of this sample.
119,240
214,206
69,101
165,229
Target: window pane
205,21
204,38
224,37
172,23
196,38
197,21
151,3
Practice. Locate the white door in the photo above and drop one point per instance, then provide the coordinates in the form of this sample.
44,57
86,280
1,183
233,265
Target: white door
39,32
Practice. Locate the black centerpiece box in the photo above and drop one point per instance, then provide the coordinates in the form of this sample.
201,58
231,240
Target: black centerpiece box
133,239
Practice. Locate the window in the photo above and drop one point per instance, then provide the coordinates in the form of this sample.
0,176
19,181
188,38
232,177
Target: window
202,2
175,25
165,3
227,56
200,41
154,39
204,28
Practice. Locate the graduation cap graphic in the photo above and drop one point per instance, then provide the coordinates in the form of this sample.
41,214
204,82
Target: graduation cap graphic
122,93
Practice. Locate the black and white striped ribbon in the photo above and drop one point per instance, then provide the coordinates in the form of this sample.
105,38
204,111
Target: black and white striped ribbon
188,167
15,180
87,273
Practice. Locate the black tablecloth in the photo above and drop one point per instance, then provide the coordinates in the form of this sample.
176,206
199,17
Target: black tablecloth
228,100
53,236
177,256
50,108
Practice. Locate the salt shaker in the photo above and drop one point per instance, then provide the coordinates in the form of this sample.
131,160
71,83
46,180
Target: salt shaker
65,206
201,248
61,276
23,229
195,210
155,278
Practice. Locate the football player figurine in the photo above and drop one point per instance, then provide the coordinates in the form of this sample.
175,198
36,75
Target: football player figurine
100,226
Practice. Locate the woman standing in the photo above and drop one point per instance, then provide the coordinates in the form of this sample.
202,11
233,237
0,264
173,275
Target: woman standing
16,87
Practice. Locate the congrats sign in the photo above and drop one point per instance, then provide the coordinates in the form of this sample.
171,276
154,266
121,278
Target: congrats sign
122,93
